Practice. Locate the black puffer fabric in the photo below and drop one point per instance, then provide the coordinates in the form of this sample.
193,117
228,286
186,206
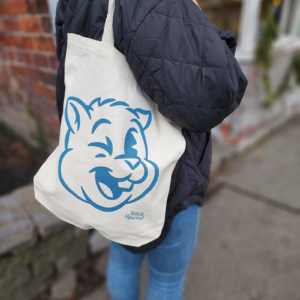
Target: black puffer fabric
182,61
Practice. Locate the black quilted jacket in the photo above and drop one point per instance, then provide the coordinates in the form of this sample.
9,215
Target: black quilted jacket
182,61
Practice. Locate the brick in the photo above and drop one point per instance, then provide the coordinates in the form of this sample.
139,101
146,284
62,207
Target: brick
42,6
34,74
37,6
48,120
9,54
21,84
30,24
17,71
16,7
49,78
3,71
5,54
2,39
54,133
31,6
25,57
3,74
11,24
41,60
29,87
13,54
25,85
1,26
5,82
44,43
42,105
17,100
19,41
49,123
44,91
56,123
53,62
4,77
25,72
2,54
47,25
3,8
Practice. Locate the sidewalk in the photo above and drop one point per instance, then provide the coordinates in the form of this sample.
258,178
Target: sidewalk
249,240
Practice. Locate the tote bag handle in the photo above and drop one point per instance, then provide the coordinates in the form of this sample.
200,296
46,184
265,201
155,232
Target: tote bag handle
108,33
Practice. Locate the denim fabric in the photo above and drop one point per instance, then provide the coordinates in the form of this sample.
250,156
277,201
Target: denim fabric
167,263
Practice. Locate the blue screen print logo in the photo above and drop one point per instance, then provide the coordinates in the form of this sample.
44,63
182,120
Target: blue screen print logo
105,162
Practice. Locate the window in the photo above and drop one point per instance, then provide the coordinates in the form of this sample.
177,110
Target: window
285,13
287,16
290,10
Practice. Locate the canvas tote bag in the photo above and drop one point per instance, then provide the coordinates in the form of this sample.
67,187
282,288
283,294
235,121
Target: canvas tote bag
112,168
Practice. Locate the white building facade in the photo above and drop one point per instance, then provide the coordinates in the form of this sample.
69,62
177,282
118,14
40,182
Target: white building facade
253,119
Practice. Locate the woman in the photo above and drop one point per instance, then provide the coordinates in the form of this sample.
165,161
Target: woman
187,66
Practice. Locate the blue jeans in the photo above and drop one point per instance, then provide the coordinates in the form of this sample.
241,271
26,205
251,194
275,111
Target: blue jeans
167,263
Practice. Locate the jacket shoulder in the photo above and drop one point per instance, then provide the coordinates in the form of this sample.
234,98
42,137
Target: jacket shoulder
182,61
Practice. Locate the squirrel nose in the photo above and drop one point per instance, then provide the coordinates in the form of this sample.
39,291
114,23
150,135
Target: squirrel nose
133,163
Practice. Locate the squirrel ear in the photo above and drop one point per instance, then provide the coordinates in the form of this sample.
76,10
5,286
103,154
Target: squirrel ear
74,112
145,117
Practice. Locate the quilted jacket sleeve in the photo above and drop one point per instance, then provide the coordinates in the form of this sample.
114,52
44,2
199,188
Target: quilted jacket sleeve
181,60
61,53
59,23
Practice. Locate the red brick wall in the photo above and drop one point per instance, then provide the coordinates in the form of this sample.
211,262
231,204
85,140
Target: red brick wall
28,63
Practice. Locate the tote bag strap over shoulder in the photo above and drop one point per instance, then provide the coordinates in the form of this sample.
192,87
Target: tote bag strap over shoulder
108,34
113,167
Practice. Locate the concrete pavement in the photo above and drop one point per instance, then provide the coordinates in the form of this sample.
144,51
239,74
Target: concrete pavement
249,239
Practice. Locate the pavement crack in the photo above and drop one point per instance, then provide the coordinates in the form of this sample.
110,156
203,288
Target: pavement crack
263,199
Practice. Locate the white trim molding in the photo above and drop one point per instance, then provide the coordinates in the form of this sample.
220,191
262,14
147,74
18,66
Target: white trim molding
248,29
